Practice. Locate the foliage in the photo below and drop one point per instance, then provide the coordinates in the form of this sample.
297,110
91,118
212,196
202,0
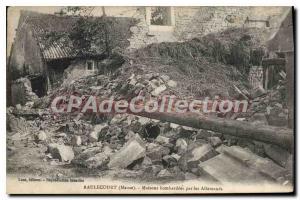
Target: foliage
92,35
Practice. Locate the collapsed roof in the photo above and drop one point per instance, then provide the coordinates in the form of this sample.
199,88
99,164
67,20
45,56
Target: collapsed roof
61,45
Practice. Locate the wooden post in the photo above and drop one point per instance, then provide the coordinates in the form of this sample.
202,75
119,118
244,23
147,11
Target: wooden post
290,76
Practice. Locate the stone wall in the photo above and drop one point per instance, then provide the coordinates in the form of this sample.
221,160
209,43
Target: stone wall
78,69
191,22
26,56
21,91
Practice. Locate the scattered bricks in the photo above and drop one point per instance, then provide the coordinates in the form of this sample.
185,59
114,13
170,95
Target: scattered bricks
133,150
61,152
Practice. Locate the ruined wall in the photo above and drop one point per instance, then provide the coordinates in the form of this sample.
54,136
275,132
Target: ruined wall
197,21
22,92
191,22
77,69
25,57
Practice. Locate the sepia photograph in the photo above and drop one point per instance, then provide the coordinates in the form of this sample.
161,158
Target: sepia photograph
150,99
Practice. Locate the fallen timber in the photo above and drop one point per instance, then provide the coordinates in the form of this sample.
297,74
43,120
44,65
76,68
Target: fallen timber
282,137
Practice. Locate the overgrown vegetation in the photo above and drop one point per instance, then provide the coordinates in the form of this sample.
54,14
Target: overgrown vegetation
207,66
93,35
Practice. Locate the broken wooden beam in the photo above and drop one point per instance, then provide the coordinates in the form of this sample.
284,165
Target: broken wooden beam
269,134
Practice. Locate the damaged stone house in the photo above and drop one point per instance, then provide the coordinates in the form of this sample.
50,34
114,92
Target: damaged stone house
46,64
44,61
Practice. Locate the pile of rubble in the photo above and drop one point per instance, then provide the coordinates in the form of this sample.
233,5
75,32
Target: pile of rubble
131,146
146,149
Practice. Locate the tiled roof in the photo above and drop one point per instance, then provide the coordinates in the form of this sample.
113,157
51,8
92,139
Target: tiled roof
62,47
41,24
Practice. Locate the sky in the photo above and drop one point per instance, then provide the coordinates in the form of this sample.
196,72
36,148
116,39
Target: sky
13,15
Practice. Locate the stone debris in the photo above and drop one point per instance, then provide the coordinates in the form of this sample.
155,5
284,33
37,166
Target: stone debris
215,141
170,160
140,147
199,154
172,83
132,150
98,161
76,140
61,152
42,136
181,146
156,152
158,90
94,136
162,140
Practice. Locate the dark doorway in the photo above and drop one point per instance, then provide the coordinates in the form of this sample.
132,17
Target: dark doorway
39,85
